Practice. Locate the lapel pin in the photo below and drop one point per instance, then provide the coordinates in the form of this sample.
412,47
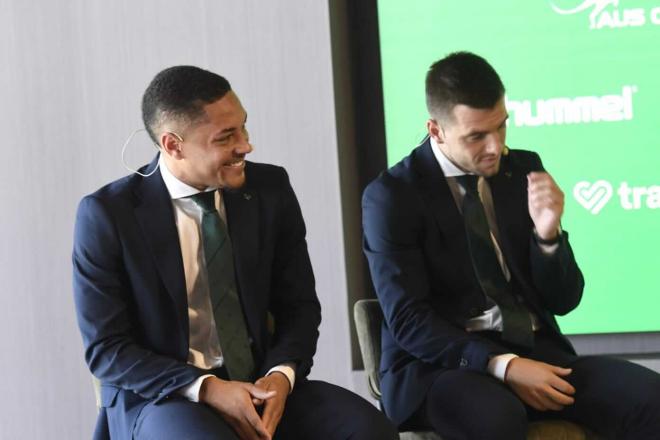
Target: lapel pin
507,173
247,196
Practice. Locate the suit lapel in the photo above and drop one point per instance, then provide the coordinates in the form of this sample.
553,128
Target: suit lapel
155,216
242,209
438,197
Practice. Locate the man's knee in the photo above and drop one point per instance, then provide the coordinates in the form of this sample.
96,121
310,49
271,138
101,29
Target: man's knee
484,409
178,418
505,420
374,427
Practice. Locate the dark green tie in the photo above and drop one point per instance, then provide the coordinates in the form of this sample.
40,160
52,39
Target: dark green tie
227,310
516,321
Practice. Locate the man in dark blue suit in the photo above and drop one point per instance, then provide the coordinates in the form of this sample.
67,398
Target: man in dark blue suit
471,265
194,291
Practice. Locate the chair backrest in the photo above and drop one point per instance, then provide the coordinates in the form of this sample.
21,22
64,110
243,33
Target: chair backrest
368,320
97,392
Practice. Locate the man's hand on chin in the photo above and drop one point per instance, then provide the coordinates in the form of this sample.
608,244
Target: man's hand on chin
234,402
273,408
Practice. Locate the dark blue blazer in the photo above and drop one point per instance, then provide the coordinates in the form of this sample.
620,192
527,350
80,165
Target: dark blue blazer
130,290
414,239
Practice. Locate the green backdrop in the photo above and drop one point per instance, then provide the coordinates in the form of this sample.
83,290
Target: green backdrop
583,90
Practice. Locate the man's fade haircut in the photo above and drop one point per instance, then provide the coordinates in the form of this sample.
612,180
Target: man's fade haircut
461,78
179,94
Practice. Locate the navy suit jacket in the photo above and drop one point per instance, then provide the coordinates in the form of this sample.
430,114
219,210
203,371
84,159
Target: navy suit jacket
130,290
415,241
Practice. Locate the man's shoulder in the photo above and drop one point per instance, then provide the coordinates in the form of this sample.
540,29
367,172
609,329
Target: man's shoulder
401,177
118,190
398,188
257,172
266,179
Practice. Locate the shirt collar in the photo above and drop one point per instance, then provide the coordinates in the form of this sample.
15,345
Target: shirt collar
448,168
176,187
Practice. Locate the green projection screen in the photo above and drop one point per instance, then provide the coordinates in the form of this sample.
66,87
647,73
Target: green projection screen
583,90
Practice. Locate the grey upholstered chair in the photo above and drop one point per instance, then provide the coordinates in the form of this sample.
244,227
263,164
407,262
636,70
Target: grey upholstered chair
368,319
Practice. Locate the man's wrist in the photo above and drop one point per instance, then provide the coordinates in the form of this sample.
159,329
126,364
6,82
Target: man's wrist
286,369
203,393
193,390
498,365
548,239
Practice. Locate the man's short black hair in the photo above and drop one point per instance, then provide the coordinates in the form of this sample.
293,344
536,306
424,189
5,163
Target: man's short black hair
461,78
179,93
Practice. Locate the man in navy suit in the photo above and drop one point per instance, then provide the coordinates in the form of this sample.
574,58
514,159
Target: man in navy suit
194,291
471,265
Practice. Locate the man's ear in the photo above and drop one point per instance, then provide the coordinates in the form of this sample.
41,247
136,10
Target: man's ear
435,131
171,144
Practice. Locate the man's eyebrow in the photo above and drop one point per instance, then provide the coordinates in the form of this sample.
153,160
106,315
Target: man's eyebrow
482,132
229,130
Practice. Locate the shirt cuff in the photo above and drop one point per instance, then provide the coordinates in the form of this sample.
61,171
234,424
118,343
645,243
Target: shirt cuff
498,364
288,370
191,391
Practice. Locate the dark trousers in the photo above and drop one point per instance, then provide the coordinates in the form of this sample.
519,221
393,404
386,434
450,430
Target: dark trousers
614,398
314,410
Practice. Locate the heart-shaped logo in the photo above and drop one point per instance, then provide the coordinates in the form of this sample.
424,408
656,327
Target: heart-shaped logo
593,196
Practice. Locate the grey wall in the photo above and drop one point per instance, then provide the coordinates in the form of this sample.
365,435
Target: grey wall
71,77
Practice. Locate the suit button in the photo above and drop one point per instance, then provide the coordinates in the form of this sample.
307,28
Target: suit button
463,362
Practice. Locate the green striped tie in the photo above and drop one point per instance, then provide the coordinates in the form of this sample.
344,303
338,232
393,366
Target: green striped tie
227,310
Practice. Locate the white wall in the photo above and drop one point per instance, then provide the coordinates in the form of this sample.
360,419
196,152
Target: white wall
71,78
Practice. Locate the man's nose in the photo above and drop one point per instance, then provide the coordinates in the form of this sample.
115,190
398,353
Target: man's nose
494,144
244,147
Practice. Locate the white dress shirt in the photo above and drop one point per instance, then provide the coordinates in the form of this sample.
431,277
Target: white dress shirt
204,347
490,319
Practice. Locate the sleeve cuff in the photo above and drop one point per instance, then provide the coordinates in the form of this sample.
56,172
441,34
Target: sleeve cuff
498,364
288,370
191,391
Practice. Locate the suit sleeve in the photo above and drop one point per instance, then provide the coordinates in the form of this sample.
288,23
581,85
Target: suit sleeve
294,304
556,276
102,294
393,230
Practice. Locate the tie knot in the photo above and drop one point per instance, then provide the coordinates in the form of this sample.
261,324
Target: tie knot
205,200
469,182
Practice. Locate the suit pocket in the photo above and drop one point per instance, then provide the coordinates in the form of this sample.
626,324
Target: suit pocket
108,396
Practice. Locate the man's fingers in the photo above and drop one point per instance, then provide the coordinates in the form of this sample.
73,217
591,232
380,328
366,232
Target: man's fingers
259,393
559,397
244,430
562,386
255,422
561,371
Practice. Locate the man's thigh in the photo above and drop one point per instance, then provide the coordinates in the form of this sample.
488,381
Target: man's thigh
467,405
615,397
319,410
177,418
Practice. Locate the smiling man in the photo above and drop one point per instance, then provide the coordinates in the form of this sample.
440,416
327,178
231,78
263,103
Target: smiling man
194,291
471,265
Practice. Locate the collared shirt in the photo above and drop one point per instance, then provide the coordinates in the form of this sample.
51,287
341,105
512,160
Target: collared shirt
490,319
204,347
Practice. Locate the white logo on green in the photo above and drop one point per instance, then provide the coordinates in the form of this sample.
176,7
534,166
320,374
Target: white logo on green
593,196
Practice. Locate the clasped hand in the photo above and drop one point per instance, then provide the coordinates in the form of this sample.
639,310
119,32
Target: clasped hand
238,404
